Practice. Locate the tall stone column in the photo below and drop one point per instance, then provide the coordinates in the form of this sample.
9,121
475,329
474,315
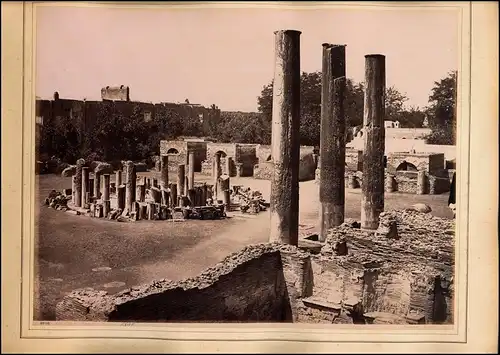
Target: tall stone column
120,196
130,185
164,172
191,171
332,139
78,183
285,146
181,171
372,198
85,185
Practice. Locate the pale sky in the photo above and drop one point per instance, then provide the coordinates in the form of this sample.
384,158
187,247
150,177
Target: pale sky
225,56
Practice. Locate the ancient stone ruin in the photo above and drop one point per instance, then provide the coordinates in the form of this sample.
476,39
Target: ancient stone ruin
390,267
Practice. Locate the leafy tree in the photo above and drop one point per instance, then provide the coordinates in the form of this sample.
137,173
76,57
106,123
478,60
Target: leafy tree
442,110
310,96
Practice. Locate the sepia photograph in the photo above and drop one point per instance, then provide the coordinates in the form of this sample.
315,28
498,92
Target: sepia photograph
188,170
262,164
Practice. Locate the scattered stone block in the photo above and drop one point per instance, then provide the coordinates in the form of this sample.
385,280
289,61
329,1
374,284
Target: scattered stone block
76,213
421,207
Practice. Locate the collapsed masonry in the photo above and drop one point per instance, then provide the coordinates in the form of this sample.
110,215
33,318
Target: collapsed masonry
151,198
398,274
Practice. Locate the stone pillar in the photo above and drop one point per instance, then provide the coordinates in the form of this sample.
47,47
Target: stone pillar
285,146
421,182
229,164
105,194
204,194
141,193
216,173
173,195
390,183
372,199
192,197
164,172
239,169
165,193
84,185
90,187
73,188
121,197
151,211
191,171
97,185
332,137
155,182
78,183
155,194
181,172
118,178
130,185
106,208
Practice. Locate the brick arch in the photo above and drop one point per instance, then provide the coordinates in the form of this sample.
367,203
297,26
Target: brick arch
220,152
406,166
172,151
420,163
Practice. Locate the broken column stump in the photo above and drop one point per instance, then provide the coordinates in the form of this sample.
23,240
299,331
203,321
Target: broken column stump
130,185
85,185
191,171
421,182
372,198
118,178
332,136
106,191
120,196
164,172
181,172
97,185
285,146
106,208
78,183
173,195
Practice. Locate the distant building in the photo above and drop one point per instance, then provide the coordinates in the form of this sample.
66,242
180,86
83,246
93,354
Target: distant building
391,124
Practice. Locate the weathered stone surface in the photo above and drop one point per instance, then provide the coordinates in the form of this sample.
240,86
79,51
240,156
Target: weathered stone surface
130,184
235,289
285,150
332,147
372,199
69,171
103,168
78,183
396,276
422,207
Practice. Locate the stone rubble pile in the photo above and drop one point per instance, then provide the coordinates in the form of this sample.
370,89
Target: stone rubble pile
248,200
59,200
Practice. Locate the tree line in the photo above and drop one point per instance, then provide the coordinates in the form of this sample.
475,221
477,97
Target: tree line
115,135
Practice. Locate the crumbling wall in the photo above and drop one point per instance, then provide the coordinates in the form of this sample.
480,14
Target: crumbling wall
263,153
246,155
176,151
437,165
116,93
263,170
439,185
256,284
405,274
354,159
228,150
200,153
406,181
433,163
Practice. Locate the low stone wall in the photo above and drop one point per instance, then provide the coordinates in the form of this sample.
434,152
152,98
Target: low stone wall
260,283
405,277
405,181
307,168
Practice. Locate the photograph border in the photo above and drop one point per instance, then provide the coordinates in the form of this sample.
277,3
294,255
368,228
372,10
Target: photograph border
465,275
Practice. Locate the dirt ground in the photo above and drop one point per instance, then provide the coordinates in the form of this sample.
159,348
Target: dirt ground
67,248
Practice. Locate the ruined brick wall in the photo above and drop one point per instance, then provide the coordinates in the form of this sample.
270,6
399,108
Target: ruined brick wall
263,153
406,181
236,289
420,161
354,159
115,93
437,165
263,170
246,155
176,151
200,153
227,149
438,184
403,274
